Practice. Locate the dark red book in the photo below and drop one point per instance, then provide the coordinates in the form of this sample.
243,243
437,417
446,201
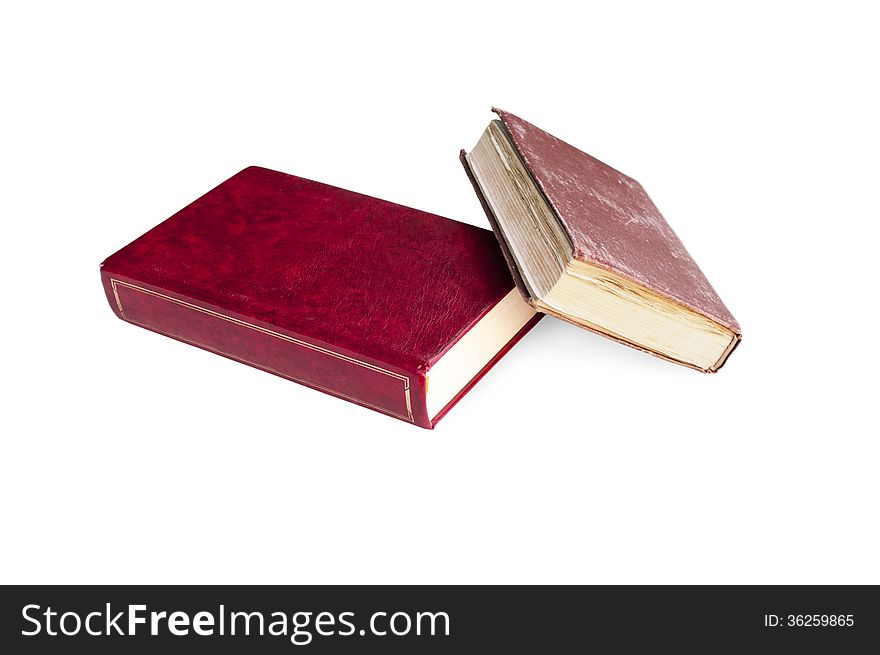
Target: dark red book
389,307
586,244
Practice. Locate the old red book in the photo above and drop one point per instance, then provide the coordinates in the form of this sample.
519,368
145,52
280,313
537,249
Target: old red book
389,307
586,244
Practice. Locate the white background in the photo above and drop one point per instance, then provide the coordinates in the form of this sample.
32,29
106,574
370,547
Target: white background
131,458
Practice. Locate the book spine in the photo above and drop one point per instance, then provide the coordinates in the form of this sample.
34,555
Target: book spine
398,393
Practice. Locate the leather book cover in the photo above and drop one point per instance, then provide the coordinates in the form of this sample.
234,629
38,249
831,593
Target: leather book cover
610,221
341,292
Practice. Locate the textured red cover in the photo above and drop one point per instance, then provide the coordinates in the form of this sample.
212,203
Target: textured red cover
342,292
612,222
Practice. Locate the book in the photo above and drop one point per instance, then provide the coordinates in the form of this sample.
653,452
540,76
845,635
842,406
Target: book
586,244
389,307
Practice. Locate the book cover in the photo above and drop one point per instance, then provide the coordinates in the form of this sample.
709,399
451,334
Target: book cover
610,223
351,295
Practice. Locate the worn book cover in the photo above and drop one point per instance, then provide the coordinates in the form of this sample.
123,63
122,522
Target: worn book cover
600,229
388,307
